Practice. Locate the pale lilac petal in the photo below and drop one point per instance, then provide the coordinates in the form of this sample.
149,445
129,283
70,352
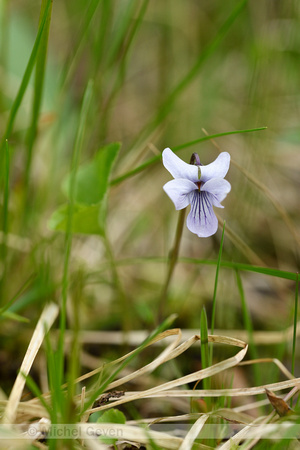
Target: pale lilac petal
178,191
202,219
179,168
216,169
219,188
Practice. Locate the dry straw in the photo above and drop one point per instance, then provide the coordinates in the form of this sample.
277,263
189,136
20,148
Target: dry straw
175,344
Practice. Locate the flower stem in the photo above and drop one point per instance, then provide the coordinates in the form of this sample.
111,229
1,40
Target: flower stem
172,260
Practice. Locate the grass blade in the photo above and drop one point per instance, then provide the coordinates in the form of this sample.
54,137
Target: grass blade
189,77
5,220
204,346
68,237
212,327
295,324
175,149
25,80
38,91
249,327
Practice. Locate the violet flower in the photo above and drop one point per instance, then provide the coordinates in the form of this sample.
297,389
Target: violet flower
200,186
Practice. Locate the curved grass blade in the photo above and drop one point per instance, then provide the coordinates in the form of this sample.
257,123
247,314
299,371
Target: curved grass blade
245,267
175,149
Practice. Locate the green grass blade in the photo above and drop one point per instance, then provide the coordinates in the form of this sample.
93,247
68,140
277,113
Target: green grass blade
295,324
175,149
122,67
121,28
15,297
245,267
36,391
249,327
25,80
68,238
212,327
38,90
168,104
70,65
3,39
204,346
163,326
5,221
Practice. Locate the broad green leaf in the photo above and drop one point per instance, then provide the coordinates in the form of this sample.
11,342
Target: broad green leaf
92,178
86,219
111,416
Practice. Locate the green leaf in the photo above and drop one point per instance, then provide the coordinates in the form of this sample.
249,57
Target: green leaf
92,178
111,416
14,316
86,219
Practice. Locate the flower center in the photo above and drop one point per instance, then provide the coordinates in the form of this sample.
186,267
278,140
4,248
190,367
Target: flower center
198,184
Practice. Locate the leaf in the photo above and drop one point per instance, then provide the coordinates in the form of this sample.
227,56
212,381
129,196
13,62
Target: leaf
85,219
92,178
111,416
280,406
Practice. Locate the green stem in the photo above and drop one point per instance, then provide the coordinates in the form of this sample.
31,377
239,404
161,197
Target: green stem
5,221
41,59
173,257
124,301
215,291
68,237
25,81
295,324
249,327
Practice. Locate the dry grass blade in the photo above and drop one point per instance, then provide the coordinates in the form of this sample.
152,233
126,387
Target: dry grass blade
238,392
126,432
163,389
135,338
276,361
156,339
163,357
240,244
193,433
46,320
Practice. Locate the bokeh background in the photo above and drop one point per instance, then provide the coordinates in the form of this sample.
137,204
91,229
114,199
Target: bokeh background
165,74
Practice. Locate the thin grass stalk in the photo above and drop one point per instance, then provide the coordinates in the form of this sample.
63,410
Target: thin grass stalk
24,83
41,59
248,326
68,236
121,29
119,81
117,283
205,359
10,303
169,102
5,222
295,324
212,327
175,149
172,260
69,65
4,21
